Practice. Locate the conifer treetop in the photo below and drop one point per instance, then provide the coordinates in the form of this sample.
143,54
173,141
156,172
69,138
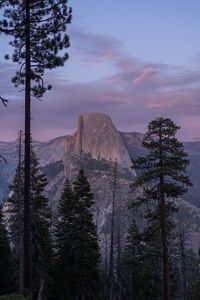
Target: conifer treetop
82,189
166,157
48,37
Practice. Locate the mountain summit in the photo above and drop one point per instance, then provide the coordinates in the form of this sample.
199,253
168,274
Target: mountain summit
97,136
94,147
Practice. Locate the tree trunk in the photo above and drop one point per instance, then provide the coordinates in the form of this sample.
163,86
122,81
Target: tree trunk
106,268
111,264
42,281
183,263
164,246
21,225
119,255
27,210
163,226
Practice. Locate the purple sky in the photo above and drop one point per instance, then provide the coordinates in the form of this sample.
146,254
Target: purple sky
133,62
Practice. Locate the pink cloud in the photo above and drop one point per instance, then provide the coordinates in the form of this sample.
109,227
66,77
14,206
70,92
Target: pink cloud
136,93
195,139
145,74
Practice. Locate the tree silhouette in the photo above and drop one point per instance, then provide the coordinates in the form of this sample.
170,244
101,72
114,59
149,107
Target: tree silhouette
38,31
163,175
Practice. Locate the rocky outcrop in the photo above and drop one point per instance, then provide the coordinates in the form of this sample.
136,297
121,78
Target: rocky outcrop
95,147
97,136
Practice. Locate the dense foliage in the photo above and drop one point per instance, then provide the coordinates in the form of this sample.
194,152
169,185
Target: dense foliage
77,256
6,261
40,222
162,179
65,250
47,25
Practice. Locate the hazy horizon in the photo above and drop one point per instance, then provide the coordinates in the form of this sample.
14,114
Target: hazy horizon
68,132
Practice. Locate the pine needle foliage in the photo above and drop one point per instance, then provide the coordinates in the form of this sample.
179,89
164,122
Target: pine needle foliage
48,20
40,221
163,176
39,38
6,260
141,265
77,253
162,146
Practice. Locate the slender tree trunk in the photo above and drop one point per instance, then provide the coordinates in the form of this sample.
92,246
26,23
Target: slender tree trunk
119,254
27,210
182,248
164,244
111,264
42,281
106,268
163,227
21,225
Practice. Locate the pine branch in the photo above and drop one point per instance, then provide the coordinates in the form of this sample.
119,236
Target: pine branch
4,101
3,158
37,98
7,31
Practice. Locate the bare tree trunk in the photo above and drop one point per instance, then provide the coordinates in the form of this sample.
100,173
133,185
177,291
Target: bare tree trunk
119,257
21,225
27,210
164,248
183,263
106,268
111,264
42,281
163,227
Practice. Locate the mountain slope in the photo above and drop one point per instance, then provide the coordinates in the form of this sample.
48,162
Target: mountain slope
95,147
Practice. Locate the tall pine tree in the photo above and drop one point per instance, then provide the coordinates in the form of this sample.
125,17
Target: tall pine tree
163,171
6,260
38,29
40,222
77,255
40,226
141,265
64,282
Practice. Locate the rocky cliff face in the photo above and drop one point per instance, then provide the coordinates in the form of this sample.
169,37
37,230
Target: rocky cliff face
95,147
97,136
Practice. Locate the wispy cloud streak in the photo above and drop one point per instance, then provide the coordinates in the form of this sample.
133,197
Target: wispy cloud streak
133,95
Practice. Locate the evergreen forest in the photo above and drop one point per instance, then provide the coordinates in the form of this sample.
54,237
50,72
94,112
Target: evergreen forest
153,261
57,251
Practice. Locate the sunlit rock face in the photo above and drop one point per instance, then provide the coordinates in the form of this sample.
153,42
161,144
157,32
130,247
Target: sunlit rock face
96,146
97,136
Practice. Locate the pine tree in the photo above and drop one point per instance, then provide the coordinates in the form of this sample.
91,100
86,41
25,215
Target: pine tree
111,282
141,265
40,222
132,261
15,210
162,175
194,288
77,256
38,29
89,256
40,225
66,226
6,261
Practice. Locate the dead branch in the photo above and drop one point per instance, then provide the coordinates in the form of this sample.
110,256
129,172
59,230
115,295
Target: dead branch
3,158
4,101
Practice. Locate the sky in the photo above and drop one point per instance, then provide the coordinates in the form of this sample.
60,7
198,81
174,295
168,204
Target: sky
133,60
